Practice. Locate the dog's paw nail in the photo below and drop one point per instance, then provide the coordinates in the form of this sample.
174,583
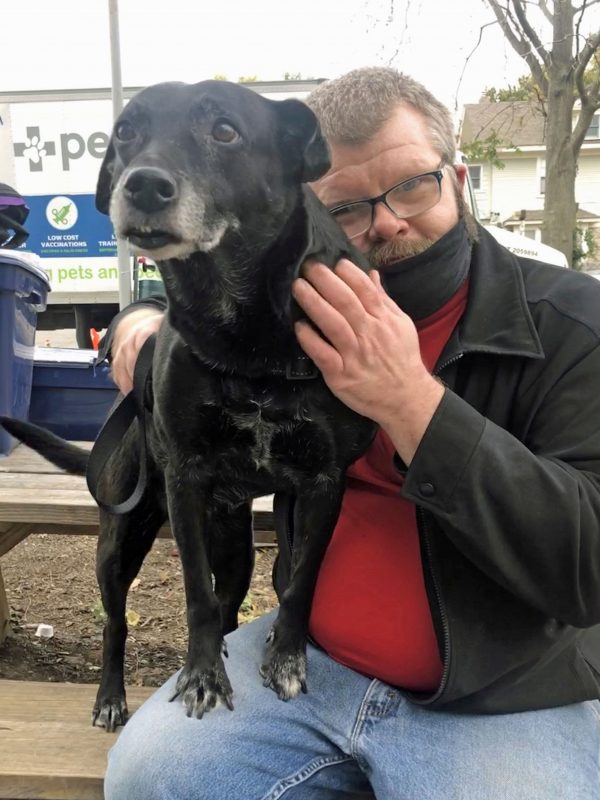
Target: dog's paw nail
224,649
228,702
271,637
303,687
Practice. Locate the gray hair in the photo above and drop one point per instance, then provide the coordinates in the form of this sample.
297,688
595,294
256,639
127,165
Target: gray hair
355,106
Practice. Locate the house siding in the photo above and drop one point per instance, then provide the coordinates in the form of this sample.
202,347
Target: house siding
505,191
587,184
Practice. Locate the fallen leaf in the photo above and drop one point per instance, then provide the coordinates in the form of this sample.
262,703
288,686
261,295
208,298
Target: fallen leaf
132,617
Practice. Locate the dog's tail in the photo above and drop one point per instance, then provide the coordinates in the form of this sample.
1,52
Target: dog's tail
56,450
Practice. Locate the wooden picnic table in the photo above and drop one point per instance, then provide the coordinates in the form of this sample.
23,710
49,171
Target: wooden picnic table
37,497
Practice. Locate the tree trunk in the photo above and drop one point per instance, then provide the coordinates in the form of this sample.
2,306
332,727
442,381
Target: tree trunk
560,209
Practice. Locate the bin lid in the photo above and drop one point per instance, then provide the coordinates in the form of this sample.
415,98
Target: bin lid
28,261
64,357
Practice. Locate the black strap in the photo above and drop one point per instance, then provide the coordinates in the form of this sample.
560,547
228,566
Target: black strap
135,404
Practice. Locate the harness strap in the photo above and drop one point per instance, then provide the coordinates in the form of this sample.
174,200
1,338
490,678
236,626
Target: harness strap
135,404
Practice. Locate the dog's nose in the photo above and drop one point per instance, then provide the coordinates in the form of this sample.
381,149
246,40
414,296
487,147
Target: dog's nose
150,189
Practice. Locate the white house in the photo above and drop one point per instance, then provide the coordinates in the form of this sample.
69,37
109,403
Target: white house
514,196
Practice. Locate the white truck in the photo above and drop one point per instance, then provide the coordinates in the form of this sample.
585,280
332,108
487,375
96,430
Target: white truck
51,147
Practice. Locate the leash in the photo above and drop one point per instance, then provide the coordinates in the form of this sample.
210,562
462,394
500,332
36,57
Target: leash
116,426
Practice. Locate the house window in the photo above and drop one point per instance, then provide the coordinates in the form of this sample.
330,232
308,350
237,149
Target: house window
593,132
541,171
475,176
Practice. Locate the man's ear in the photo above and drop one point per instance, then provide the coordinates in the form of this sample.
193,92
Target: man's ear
302,133
104,186
461,174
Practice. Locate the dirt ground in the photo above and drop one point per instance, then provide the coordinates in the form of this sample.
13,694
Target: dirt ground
50,579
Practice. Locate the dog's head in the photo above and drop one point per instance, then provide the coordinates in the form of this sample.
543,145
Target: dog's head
186,164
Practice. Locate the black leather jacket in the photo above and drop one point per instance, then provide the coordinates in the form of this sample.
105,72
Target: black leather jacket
507,486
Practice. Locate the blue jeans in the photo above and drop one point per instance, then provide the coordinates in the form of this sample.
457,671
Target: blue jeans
350,736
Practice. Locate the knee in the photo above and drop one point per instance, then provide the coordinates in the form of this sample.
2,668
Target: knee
137,764
160,755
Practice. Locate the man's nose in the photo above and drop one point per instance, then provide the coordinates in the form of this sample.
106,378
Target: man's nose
386,225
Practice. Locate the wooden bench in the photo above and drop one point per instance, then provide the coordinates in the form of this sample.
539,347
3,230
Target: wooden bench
48,747
37,497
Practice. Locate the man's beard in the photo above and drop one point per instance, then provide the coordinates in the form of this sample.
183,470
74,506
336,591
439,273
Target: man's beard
397,250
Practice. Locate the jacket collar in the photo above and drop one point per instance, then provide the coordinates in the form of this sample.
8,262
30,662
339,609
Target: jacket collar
497,318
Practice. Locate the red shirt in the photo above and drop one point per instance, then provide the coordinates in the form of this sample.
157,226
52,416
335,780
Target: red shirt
370,610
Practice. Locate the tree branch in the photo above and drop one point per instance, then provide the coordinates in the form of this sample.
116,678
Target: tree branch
519,45
462,74
584,5
577,29
590,50
581,128
546,10
530,33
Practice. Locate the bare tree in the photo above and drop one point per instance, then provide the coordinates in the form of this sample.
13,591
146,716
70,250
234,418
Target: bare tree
561,69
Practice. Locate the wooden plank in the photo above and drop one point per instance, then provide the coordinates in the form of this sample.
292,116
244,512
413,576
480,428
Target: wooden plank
4,611
50,751
264,535
38,505
69,506
40,480
23,459
11,533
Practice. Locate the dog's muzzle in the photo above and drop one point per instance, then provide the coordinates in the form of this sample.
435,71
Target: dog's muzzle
150,190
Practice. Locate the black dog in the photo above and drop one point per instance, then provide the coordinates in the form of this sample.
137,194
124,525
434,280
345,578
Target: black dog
207,180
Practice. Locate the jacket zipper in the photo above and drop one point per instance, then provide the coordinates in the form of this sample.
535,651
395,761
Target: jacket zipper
424,527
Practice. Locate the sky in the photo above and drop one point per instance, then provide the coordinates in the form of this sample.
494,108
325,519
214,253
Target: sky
67,45
49,45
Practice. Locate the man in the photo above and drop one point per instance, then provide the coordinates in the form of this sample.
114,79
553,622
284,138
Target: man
457,611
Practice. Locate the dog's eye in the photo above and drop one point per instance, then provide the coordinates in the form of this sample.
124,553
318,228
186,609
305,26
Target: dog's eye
224,132
125,132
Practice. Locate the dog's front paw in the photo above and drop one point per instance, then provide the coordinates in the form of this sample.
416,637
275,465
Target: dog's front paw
282,671
109,712
201,690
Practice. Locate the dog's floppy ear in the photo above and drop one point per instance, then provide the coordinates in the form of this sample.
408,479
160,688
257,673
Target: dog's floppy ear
105,180
302,132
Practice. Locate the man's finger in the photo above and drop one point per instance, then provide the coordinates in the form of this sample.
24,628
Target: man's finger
334,326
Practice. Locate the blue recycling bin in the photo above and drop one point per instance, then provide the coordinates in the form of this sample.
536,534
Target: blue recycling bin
24,288
71,395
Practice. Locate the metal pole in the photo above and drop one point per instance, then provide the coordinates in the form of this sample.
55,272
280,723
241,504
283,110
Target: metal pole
123,255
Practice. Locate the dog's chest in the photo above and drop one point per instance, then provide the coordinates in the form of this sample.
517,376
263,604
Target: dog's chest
256,419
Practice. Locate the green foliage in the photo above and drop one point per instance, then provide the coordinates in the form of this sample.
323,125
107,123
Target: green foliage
585,247
292,76
219,77
525,89
247,79
486,150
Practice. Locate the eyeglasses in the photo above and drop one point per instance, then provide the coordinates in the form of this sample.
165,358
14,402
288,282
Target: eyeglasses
406,199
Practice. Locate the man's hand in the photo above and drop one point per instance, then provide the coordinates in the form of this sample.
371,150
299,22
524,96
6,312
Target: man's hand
130,334
370,356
